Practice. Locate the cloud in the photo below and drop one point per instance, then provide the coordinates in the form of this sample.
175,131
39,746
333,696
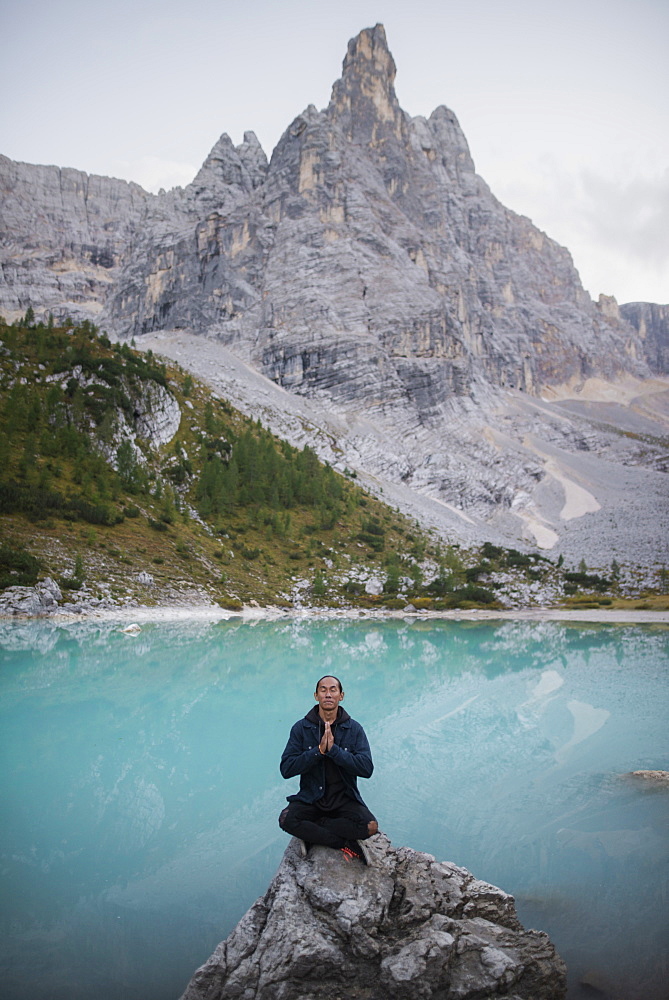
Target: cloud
615,226
631,216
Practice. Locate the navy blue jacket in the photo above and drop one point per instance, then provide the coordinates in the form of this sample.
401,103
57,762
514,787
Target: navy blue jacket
350,753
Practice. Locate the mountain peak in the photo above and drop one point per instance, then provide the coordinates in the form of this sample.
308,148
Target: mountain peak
368,54
364,97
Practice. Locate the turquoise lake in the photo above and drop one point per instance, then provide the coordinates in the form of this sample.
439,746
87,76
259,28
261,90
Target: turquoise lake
141,786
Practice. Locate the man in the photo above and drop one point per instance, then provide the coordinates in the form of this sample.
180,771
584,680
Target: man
329,751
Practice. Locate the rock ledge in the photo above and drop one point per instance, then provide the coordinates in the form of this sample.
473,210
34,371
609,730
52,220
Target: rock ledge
406,927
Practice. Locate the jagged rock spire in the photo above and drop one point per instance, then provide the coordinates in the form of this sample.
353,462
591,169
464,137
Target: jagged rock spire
363,100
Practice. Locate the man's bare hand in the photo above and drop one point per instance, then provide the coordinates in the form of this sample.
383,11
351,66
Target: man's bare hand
328,739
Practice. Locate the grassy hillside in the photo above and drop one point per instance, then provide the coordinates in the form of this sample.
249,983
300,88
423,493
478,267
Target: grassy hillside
222,508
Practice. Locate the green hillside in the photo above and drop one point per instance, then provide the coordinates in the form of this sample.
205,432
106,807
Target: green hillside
223,506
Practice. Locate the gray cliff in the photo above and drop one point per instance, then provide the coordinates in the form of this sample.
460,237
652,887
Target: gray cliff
443,346
407,927
63,234
370,262
651,322
368,259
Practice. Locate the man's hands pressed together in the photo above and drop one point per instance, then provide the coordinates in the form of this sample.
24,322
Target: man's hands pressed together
328,739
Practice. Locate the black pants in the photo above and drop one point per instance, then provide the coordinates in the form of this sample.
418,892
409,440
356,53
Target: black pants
333,829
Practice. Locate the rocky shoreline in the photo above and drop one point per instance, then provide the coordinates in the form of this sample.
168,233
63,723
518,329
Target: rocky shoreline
45,600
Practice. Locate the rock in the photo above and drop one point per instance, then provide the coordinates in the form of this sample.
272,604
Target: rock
64,235
34,602
367,260
22,601
156,414
598,983
406,927
133,629
48,588
651,321
661,777
145,578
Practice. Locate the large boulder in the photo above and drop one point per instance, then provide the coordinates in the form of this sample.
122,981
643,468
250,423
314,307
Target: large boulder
34,602
406,926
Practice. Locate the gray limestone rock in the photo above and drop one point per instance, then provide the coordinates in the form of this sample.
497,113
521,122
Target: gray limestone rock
367,262
406,927
652,324
63,234
370,263
32,602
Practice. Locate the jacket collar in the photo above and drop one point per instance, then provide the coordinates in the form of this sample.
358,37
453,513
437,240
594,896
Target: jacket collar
314,718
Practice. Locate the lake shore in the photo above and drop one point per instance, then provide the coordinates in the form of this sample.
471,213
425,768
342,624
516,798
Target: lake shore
212,612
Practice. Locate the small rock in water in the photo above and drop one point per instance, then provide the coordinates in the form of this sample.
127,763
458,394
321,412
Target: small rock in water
131,629
662,776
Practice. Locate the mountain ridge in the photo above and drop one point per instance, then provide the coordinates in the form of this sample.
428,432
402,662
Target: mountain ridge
368,268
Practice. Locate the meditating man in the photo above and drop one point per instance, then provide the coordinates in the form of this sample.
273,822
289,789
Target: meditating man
329,751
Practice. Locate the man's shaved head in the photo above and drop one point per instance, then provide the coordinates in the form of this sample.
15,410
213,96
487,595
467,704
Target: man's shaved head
333,678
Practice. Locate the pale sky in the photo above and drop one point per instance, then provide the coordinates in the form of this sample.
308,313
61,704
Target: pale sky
565,103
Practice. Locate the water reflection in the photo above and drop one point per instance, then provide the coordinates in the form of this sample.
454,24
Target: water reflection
142,784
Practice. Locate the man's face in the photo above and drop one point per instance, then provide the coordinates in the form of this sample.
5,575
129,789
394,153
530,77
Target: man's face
328,694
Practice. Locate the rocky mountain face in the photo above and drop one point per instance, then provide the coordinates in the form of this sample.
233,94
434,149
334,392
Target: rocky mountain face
63,235
408,926
369,268
651,322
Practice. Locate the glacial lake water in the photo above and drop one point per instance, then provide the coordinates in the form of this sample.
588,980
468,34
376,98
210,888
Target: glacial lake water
141,785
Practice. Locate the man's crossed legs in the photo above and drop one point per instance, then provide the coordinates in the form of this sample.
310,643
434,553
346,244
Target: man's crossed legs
352,821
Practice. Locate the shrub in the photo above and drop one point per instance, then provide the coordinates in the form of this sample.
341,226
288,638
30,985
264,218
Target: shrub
18,568
586,580
474,572
422,603
230,603
515,558
470,596
375,542
247,553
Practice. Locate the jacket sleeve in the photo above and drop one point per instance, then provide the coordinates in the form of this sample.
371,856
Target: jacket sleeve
294,759
356,758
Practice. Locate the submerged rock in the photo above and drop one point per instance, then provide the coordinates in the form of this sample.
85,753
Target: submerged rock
405,927
657,776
